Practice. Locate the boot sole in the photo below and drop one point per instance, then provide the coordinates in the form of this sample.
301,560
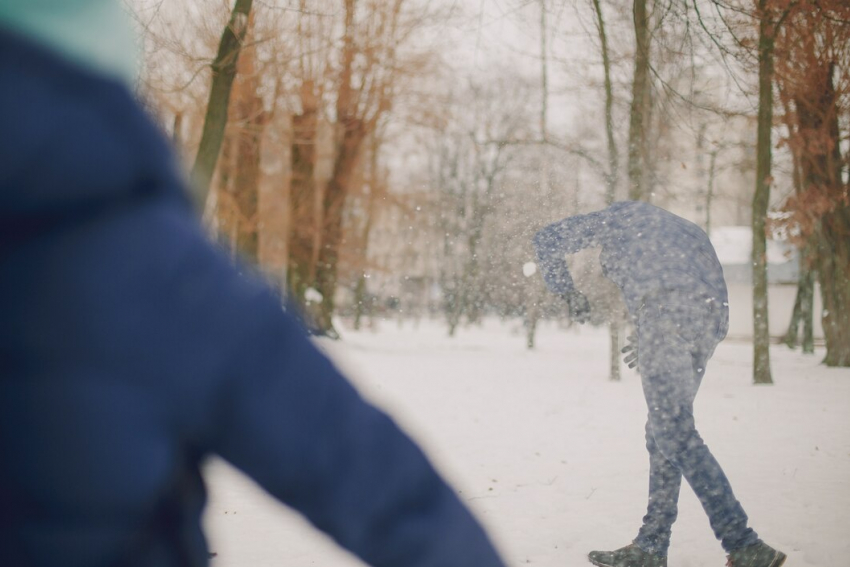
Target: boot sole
605,562
778,560
600,564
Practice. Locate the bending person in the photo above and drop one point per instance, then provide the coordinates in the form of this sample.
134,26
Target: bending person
673,286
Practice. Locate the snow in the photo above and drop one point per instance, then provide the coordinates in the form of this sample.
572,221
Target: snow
529,269
312,295
550,455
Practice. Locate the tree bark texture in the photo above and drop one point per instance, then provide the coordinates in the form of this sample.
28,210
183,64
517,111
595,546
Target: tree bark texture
613,169
803,304
333,202
305,230
638,166
215,120
613,154
821,163
834,276
250,120
362,303
761,199
333,206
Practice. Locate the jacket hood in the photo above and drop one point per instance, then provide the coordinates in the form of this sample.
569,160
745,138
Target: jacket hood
94,33
70,138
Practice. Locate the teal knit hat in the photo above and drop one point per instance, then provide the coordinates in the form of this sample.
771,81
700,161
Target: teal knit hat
93,33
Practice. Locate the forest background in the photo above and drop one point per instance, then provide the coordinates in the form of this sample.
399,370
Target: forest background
393,158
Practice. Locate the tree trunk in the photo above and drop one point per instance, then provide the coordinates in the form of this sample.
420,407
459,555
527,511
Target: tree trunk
333,203
834,276
611,178
808,312
544,75
804,300
821,165
639,113
533,297
790,337
360,308
614,356
803,304
225,209
481,207
611,175
250,118
532,285
305,229
452,315
223,71
613,154
246,194
333,206
761,200
361,289
709,191
835,229
834,235
450,269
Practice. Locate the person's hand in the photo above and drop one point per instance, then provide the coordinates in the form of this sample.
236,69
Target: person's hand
579,307
631,351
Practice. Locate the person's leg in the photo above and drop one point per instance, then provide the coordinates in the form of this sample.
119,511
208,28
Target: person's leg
665,480
674,344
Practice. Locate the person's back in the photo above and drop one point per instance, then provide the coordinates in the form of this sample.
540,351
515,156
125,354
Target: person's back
645,251
651,249
131,349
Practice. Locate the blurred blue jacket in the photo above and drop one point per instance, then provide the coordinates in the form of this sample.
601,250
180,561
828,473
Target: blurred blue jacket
131,350
651,254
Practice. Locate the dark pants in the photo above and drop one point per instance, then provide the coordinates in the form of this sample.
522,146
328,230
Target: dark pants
676,337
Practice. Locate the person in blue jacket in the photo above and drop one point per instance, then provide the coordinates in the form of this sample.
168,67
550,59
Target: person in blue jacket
131,349
673,287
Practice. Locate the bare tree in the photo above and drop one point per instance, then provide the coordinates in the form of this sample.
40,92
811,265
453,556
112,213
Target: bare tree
814,62
803,312
224,70
315,51
639,116
611,175
239,197
373,60
761,197
470,158
375,191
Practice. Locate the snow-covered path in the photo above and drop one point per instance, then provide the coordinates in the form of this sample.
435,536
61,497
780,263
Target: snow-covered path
549,453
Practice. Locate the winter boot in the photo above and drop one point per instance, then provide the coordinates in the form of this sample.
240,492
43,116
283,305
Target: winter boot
756,555
629,556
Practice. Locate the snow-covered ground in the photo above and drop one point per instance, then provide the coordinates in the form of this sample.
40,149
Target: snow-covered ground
550,454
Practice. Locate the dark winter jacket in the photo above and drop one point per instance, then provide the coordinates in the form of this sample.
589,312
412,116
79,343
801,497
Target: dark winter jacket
651,254
131,350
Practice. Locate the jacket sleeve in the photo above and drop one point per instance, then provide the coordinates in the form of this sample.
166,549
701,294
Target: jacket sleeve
567,236
288,418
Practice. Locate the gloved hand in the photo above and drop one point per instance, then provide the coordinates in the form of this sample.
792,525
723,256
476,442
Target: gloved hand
579,306
631,359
